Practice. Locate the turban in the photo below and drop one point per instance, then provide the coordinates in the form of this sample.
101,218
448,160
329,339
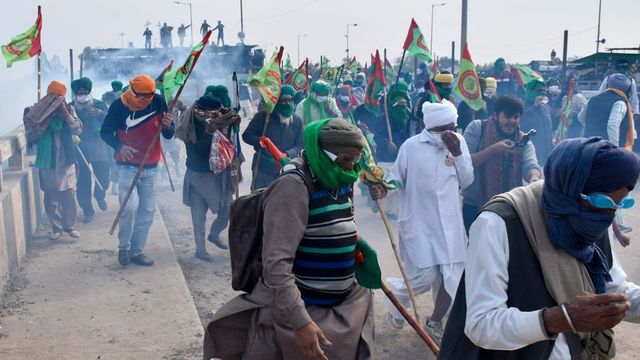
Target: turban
209,102
287,90
321,87
612,169
574,167
619,81
443,78
339,136
116,85
143,84
499,61
436,114
401,86
221,92
532,89
491,83
348,82
81,84
57,88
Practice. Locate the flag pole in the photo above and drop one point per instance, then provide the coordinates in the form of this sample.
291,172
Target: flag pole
164,162
415,324
394,247
236,86
86,163
39,76
148,152
399,69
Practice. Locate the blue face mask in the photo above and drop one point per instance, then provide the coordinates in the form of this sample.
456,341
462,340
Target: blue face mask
602,201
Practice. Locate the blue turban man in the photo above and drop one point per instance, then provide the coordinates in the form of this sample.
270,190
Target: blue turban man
541,279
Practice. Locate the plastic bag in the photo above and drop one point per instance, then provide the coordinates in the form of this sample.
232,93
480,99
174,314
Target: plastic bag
221,154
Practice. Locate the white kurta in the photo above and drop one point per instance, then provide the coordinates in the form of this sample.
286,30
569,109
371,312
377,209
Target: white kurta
490,324
430,219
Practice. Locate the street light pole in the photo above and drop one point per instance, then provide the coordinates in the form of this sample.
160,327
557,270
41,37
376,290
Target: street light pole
432,9
348,40
241,23
190,17
299,36
599,14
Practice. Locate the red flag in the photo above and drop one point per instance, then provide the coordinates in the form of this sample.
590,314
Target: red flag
414,43
299,79
377,82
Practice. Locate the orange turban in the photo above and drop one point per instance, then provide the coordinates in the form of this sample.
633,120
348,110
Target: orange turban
143,84
57,88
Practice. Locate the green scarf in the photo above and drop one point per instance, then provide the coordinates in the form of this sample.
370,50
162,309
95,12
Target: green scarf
328,173
306,109
45,143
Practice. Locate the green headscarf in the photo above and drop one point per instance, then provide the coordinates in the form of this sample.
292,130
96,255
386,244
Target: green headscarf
116,85
327,172
83,83
400,113
306,109
221,92
286,110
44,155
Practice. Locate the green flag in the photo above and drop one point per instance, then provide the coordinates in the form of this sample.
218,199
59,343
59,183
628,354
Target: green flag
268,81
287,64
24,46
368,273
174,79
468,85
376,83
524,74
415,44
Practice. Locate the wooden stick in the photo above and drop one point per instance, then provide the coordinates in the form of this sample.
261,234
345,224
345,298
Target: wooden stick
405,277
386,115
399,69
259,155
39,76
164,161
414,324
86,163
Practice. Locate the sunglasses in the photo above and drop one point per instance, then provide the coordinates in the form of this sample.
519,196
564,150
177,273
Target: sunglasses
601,201
142,96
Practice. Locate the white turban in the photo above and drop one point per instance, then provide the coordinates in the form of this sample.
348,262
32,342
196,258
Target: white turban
435,114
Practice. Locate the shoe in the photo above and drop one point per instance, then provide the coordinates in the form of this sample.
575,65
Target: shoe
123,257
55,235
215,240
142,260
87,219
74,233
435,330
102,205
204,256
396,323
625,229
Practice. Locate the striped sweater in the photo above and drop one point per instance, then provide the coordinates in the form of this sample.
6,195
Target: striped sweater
324,265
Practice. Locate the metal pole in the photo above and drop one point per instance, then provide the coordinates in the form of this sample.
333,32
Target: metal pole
463,36
298,49
241,22
453,57
81,64
564,54
598,39
347,42
191,23
39,76
433,6
71,64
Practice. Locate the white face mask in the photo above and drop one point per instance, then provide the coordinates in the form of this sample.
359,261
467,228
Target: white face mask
320,98
83,99
344,98
435,138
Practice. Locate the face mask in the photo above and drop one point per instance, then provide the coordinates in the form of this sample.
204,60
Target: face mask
435,138
285,110
344,98
320,98
83,99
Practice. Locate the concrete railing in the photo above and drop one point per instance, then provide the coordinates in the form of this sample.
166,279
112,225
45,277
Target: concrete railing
21,206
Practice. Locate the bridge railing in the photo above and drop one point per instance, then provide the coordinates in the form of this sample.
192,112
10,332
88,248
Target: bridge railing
21,205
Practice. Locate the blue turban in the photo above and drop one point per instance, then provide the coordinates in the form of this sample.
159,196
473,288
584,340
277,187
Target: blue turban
574,167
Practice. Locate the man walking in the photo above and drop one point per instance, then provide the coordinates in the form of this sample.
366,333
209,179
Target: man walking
129,128
182,32
97,153
147,38
220,29
431,168
51,124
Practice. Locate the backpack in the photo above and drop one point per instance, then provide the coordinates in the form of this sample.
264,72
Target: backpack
245,233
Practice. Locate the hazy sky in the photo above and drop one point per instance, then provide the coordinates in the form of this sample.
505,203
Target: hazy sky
519,30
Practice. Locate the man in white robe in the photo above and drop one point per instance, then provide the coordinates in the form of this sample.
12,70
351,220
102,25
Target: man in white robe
431,168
